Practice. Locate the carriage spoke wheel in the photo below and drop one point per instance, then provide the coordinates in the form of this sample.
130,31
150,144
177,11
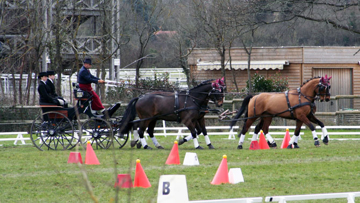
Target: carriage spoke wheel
77,130
52,130
98,131
120,139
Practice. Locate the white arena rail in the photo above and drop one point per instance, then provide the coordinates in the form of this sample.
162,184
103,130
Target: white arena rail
235,200
215,130
282,199
19,137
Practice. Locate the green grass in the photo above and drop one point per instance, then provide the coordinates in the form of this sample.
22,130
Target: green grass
44,176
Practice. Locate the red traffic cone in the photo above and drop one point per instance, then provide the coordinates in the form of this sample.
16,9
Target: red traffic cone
123,181
140,179
262,141
221,175
90,157
173,157
254,145
286,139
75,157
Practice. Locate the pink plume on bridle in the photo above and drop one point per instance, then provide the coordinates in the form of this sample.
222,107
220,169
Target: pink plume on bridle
326,80
221,81
215,85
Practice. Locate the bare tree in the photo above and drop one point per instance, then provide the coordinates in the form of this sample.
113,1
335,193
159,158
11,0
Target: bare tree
147,18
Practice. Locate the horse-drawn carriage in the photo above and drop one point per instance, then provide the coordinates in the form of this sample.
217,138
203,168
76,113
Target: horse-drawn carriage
63,128
59,128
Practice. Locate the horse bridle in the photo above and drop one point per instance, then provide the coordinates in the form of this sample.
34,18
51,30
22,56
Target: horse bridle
321,88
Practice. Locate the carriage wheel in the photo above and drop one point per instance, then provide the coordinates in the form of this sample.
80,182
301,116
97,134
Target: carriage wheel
98,131
52,130
77,130
120,139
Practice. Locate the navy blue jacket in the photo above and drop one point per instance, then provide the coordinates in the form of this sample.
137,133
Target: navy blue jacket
85,77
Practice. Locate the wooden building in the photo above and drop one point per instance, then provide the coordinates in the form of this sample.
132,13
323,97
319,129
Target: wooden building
297,64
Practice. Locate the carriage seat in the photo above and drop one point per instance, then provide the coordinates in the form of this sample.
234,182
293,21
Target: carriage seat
80,94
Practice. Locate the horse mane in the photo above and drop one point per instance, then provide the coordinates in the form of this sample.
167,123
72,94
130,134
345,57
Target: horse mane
309,80
206,82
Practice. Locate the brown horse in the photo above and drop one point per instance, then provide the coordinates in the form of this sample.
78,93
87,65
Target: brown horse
295,104
187,107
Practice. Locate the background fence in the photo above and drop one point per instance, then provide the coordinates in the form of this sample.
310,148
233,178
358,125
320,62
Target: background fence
20,117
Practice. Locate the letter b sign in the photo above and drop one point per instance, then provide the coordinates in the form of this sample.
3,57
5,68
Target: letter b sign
166,188
172,188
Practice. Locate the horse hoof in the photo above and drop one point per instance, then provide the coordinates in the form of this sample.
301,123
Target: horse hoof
272,145
290,146
133,143
211,146
160,147
199,147
326,140
239,147
182,141
317,143
138,145
296,146
147,147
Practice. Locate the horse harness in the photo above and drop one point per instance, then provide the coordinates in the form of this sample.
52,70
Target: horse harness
291,108
177,109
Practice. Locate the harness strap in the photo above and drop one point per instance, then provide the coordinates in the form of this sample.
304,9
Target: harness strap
299,92
177,106
291,109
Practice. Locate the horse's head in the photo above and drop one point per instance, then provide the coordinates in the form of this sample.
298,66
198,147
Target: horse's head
323,88
217,93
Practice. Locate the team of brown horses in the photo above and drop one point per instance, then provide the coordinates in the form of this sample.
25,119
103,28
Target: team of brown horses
190,106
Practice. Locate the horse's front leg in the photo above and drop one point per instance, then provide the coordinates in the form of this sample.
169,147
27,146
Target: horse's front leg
325,135
295,138
201,125
150,131
191,126
307,122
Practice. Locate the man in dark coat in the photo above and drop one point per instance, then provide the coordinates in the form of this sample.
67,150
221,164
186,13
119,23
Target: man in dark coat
85,78
50,83
44,91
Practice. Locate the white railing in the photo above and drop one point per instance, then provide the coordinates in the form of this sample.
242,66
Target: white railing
282,199
235,200
215,130
19,137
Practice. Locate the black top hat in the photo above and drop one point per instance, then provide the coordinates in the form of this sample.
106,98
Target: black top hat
51,72
88,61
41,74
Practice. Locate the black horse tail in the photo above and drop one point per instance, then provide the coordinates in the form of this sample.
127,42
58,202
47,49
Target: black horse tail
241,111
130,113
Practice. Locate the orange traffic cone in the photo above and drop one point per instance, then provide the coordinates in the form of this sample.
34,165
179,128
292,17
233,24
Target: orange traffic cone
221,175
123,181
75,157
90,157
262,141
140,179
173,157
286,139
